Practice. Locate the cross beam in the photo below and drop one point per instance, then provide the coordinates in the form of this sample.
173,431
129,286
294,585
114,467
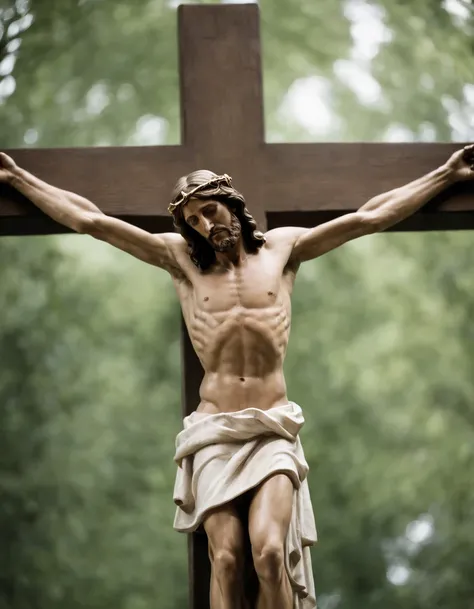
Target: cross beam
222,129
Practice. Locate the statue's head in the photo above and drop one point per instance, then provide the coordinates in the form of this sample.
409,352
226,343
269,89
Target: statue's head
211,215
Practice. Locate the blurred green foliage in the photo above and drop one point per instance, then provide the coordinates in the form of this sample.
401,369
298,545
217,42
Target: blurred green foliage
382,342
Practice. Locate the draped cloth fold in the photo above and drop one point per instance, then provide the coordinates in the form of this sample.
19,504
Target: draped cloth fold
221,456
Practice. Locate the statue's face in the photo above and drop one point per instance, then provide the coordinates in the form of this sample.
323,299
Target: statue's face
214,221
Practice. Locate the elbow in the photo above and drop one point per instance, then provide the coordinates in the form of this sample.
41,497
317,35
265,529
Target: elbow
372,222
87,224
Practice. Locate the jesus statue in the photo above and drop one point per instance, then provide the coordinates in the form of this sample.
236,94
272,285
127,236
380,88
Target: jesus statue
241,471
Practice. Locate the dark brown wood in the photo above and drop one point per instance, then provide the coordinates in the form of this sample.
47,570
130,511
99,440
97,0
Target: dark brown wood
223,130
135,183
199,568
221,83
438,221
342,177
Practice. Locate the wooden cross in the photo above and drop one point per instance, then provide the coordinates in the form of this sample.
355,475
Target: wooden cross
223,130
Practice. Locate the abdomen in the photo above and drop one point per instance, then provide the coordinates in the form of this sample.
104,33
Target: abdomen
242,342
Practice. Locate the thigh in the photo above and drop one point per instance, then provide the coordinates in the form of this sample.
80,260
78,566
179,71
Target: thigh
270,511
224,529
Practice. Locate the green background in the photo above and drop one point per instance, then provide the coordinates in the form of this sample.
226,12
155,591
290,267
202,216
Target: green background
381,354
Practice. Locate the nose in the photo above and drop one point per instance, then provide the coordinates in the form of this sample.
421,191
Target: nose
207,225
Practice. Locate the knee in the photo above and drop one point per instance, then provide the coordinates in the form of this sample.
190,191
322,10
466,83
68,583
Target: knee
226,563
269,561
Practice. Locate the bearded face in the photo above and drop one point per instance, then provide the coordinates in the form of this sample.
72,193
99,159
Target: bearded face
214,221
224,238
211,226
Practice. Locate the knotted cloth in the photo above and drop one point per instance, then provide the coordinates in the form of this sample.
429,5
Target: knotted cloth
221,456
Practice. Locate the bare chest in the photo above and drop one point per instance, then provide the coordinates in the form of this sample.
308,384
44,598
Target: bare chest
260,283
238,318
257,285
242,287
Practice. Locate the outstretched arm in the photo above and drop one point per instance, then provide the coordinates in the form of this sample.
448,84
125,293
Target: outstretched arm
82,216
381,211
65,207
391,207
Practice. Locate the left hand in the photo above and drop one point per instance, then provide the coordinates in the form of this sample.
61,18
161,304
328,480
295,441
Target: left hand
7,167
461,163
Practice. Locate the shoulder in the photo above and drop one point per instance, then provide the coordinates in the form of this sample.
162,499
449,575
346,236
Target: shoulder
284,236
175,244
173,240
281,242
177,253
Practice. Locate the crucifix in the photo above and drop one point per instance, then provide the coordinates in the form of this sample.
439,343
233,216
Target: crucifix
300,185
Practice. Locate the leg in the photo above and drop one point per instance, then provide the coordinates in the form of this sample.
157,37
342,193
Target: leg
269,519
226,550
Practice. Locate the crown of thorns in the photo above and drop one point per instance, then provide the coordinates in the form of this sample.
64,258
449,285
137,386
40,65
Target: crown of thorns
185,196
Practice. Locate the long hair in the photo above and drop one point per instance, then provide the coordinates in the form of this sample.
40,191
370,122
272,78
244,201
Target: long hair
200,250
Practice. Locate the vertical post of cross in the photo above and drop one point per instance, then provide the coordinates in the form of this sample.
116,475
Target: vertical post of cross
222,127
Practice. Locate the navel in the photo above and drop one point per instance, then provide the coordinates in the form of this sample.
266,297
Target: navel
242,379
270,293
206,298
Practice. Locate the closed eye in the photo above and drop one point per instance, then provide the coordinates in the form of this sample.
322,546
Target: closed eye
209,210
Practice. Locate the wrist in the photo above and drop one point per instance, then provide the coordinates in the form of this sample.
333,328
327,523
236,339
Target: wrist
447,174
14,177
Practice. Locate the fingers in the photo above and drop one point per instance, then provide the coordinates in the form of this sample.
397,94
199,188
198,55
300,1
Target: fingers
6,162
468,155
468,151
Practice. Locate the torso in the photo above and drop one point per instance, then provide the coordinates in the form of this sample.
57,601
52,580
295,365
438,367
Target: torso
238,320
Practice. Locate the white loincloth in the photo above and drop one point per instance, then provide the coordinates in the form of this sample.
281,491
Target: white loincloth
221,456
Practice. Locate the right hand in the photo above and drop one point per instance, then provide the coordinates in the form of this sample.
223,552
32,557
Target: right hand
7,167
461,163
